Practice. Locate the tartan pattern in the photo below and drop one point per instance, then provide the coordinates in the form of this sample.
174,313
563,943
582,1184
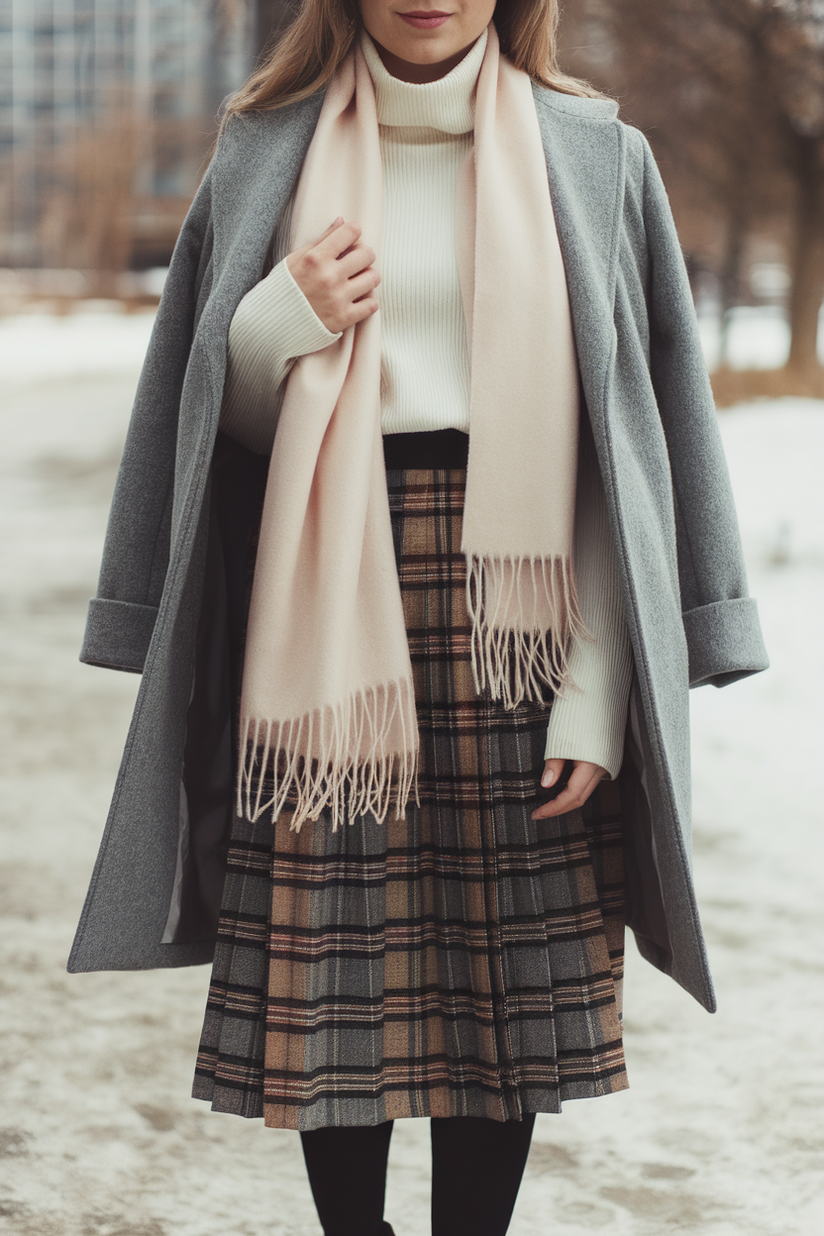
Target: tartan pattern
465,961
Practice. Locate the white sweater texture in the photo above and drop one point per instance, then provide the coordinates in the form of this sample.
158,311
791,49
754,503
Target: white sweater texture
425,136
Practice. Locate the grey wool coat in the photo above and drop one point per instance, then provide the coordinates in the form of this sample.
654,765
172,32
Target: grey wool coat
671,510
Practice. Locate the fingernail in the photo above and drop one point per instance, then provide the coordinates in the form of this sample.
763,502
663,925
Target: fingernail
547,779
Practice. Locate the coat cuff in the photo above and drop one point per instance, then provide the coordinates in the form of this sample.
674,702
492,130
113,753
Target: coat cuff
118,634
724,642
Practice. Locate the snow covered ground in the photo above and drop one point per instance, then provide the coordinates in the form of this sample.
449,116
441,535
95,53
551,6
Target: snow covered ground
720,1133
758,337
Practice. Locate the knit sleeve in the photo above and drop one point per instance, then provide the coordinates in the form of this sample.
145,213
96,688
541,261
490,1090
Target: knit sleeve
589,723
272,326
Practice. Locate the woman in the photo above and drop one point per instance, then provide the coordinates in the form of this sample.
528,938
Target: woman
419,594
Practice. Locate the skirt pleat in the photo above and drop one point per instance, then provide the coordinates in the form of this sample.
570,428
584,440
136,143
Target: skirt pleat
466,960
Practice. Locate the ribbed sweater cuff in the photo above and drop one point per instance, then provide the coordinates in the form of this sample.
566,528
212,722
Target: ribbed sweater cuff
273,324
589,724
278,300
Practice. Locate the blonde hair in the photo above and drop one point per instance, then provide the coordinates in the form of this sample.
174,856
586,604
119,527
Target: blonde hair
306,55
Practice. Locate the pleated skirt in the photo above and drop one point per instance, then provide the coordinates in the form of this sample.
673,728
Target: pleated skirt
466,960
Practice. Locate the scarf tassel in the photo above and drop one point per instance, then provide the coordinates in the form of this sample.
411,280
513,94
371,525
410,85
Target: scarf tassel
525,617
363,753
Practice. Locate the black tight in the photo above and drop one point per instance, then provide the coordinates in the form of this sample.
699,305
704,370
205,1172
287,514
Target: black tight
477,1166
347,1173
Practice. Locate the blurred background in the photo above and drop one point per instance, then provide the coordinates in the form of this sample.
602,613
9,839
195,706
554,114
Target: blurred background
107,117
108,113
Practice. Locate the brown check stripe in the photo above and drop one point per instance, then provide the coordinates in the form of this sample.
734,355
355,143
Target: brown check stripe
465,961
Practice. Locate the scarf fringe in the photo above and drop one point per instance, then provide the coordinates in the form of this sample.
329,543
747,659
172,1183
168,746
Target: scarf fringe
525,616
337,757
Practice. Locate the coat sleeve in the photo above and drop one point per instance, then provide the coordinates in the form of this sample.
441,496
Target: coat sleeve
136,550
720,619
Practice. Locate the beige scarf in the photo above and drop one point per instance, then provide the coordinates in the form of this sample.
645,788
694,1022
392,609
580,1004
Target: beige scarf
328,709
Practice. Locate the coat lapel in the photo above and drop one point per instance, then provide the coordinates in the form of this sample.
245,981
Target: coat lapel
586,164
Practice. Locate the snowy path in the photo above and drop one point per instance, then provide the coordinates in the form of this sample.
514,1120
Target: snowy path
720,1134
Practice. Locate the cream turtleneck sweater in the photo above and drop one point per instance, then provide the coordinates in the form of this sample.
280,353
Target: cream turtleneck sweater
425,135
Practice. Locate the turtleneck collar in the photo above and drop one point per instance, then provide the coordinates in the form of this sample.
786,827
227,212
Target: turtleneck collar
447,104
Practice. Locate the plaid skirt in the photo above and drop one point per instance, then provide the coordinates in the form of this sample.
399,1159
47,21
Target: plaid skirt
464,961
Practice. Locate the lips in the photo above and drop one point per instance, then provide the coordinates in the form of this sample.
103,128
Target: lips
425,19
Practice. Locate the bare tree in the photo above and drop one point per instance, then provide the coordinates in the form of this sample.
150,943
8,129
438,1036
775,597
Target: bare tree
787,44
87,214
731,94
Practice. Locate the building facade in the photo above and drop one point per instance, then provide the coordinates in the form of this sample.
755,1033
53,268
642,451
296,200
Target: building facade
107,115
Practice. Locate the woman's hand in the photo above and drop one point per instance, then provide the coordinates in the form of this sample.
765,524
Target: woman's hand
336,276
582,782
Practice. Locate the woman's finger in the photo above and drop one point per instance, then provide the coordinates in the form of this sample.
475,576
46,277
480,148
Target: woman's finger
363,284
552,771
336,242
302,249
582,782
355,260
361,309
333,227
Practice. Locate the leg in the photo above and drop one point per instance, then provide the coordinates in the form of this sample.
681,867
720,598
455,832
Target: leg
347,1174
477,1165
